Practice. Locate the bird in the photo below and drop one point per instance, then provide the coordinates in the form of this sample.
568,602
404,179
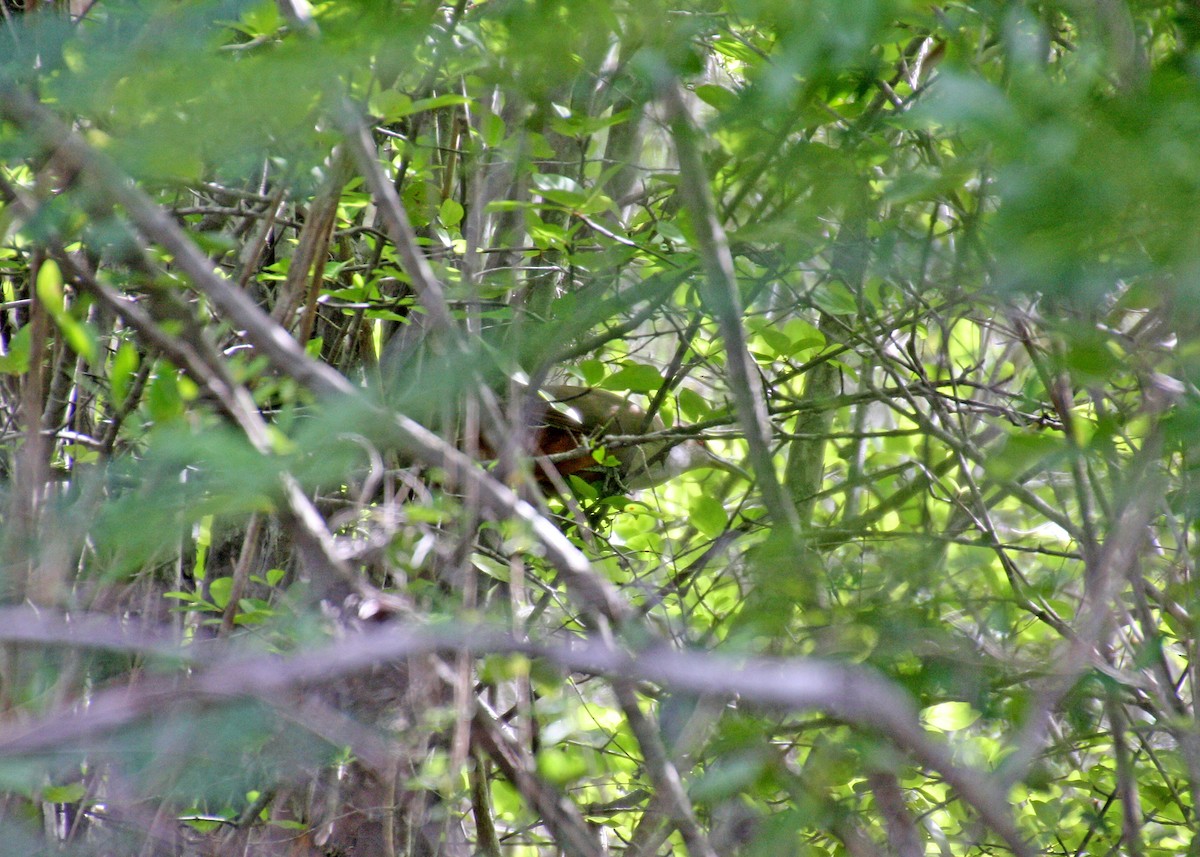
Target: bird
570,422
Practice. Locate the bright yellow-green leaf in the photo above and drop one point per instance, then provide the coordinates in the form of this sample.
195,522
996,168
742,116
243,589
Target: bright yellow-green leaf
638,377
78,335
450,213
124,365
562,766
949,716
16,361
70,793
219,589
708,515
49,286
693,406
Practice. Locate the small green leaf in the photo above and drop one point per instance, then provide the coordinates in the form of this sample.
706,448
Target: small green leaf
163,399
729,776
735,50
450,213
638,377
492,129
584,490
492,568
49,287
124,365
708,515
561,767
70,793
79,336
716,96
581,125
16,361
776,340
949,716
693,406
593,372
552,181
439,101
261,19
390,105
81,453
202,534
836,299
220,589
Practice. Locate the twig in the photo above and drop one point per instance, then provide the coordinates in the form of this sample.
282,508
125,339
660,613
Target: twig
720,291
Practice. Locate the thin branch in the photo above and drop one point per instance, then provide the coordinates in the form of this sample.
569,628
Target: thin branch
662,772
720,291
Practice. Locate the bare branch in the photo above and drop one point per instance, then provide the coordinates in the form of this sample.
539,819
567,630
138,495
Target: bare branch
850,693
722,295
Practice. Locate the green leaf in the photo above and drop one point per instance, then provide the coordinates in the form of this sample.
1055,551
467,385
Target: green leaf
220,589
730,776
390,105
581,125
261,19
836,298
436,103
79,336
557,182
450,213
776,342
708,515
70,793
593,372
583,489
393,106
492,129
949,716
735,50
50,287
561,766
716,96
163,399
124,366
693,406
491,567
16,361
636,377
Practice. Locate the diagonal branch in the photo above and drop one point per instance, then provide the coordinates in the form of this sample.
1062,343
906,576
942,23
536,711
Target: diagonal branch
720,290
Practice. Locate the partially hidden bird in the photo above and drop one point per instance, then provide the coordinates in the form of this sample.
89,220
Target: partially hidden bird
571,422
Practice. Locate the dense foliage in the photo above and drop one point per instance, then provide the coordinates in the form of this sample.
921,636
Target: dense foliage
280,284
